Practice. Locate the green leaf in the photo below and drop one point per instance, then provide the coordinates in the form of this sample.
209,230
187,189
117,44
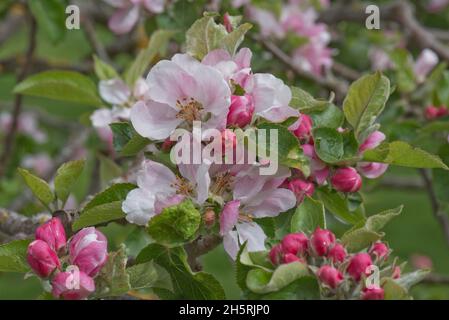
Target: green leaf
157,45
305,102
365,101
104,207
13,256
67,86
204,36
50,17
305,288
39,187
113,279
142,275
287,150
366,232
127,141
335,147
109,170
175,225
393,290
402,154
103,70
99,214
65,179
262,281
405,77
331,117
186,284
338,205
309,215
233,40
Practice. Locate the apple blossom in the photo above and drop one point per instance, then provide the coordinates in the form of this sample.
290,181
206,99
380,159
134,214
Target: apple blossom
241,111
337,254
372,170
346,180
321,241
379,250
330,276
53,233
42,259
88,249
373,294
425,62
72,285
295,243
372,141
289,258
276,254
300,188
358,265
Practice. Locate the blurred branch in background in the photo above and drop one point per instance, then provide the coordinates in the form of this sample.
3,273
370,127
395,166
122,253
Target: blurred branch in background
8,144
14,226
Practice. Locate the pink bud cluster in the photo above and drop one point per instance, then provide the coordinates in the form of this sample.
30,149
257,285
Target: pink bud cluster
344,179
332,264
85,254
432,112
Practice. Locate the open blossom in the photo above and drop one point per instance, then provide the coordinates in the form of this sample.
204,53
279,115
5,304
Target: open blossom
26,125
127,14
158,188
40,163
380,60
181,90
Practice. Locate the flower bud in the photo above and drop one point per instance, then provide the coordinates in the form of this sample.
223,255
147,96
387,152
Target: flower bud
288,258
330,276
300,188
167,144
372,170
295,243
321,241
227,22
374,293
88,250
276,254
396,272
346,180
425,62
421,262
432,112
358,265
302,131
209,218
337,253
53,233
373,141
42,259
74,285
241,111
380,250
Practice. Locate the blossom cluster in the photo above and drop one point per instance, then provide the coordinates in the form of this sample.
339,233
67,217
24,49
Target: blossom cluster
340,274
82,257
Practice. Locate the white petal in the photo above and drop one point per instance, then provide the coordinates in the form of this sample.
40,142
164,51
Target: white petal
156,178
253,234
114,91
139,206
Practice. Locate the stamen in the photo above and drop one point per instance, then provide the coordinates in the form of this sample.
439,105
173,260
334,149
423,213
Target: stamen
189,110
182,186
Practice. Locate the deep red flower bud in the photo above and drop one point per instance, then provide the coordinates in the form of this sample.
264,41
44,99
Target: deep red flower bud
432,112
321,240
346,180
295,243
227,22
358,265
304,128
241,111
276,254
301,188
380,250
373,294
42,259
337,253
288,258
330,276
53,233
396,272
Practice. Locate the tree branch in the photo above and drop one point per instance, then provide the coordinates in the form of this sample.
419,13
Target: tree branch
10,136
441,218
199,247
14,226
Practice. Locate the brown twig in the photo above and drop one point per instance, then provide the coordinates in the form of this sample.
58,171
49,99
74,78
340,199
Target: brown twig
10,136
14,226
199,247
95,43
339,87
434,278
442,219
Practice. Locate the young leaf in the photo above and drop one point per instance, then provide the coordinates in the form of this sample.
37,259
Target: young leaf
335,147
402,154
186,284
66,176
116,192
39,187
330,116
233,40
127,141
50,17
67,86
305,102
13,256
157,45
142,275
309,215
176,224
339,206
113,279
103,70
365,101
393,290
